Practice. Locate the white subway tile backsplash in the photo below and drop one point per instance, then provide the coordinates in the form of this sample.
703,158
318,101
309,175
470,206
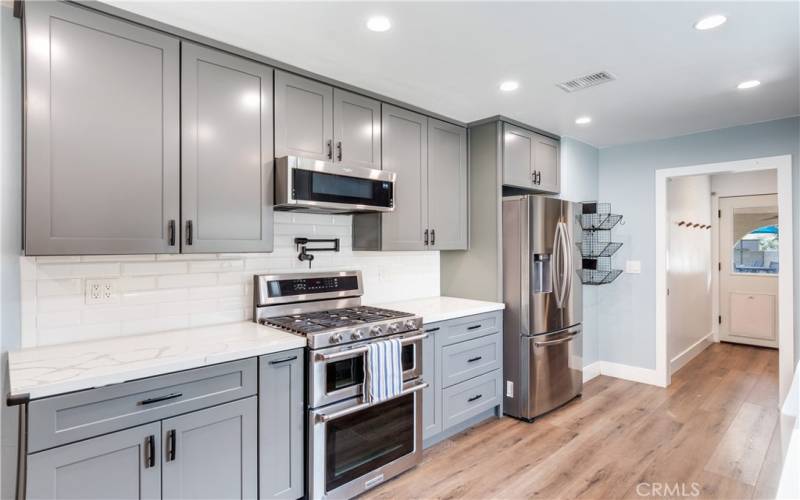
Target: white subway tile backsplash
163,292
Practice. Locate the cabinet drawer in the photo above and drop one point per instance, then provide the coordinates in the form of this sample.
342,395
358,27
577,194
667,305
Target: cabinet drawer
469,359
470,398
80,415
466,328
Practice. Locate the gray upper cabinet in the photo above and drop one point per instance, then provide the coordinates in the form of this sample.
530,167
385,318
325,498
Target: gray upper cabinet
530,160
227,152
211,453
405,152
123,465
281,421
517,156
356,130
546,161
447,186
102,127
303,117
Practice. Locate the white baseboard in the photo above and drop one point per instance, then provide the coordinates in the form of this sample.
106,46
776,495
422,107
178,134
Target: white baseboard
590,371
617,370
688,354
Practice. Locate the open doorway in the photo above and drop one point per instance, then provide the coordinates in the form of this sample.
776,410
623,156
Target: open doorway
734,267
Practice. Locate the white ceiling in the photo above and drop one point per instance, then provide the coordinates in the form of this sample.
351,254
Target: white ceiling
450,57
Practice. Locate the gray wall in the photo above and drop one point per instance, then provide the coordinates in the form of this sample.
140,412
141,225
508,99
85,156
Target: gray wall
10,230
626,308
579,168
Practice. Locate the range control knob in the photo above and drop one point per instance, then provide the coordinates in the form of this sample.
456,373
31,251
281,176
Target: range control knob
356,335
375,331
394,327
410,324
336,338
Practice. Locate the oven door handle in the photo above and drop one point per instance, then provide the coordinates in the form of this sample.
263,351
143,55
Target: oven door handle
327,417
362,350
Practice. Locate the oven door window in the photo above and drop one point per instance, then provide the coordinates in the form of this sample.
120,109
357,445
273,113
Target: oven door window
349,372
317,186
364,441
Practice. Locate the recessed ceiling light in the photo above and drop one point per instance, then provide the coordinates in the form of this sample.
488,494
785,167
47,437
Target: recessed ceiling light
749,84
583,120
509,86
710,22
379,23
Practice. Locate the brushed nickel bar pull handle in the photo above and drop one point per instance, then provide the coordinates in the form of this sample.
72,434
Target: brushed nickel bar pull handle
327,417
555,342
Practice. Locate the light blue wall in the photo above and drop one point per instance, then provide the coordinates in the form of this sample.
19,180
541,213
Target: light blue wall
579,166
626,308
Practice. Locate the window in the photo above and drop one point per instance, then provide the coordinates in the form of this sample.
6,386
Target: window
757,235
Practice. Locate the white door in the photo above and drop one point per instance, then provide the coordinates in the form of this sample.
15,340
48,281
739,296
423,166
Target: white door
748,251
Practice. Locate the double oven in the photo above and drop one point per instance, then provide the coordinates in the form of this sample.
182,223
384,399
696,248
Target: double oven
353,445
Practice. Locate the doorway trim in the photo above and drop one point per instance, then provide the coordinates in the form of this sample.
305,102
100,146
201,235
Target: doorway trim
783,165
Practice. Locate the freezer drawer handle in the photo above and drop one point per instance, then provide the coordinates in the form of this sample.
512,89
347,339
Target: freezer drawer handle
473,327
476,358
475,398
555,342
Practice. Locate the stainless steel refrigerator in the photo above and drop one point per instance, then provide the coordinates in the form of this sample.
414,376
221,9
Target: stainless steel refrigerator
542,336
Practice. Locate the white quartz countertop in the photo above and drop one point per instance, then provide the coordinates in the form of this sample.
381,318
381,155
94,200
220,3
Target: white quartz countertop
49,370
433,309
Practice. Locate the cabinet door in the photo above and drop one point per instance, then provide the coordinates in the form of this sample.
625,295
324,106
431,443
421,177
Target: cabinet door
101,168
431,395
212,453
115,465
227,153
447,186
356,130
518,159
281,420
405,152
546,161
303,117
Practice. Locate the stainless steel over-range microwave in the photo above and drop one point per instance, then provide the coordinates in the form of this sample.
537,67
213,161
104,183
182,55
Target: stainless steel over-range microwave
308,185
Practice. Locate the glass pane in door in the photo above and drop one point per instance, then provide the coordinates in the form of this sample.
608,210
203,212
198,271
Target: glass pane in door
756,237
359,443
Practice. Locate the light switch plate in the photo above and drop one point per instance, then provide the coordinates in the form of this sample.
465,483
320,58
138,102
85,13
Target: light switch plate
633,266
101,291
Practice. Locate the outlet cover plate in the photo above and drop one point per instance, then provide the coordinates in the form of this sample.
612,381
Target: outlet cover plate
101,291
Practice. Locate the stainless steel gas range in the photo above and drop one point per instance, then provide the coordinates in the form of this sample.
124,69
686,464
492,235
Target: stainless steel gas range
352,445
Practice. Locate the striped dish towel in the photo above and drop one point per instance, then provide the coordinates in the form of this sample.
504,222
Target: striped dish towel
384,374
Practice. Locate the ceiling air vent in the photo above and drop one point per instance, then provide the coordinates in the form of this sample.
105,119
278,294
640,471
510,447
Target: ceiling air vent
586,81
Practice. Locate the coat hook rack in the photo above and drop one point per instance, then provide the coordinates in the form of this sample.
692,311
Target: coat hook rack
301,244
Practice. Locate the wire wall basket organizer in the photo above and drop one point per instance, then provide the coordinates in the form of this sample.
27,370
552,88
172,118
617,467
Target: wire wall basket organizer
597,248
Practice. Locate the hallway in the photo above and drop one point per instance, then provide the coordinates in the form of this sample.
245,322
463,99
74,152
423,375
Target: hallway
713,430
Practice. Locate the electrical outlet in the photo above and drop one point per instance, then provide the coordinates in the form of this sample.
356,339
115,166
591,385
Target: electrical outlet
509,389
102,291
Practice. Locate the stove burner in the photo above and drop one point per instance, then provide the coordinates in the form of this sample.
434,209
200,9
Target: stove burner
334,318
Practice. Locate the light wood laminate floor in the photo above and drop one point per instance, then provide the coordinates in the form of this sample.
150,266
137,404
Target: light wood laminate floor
713,432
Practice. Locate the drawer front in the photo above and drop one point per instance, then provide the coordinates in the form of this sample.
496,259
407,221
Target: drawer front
80,415
467,399
468,327
469,359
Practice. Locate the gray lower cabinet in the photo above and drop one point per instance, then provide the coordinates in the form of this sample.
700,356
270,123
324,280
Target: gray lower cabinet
227,152
430,159
102,134
462,363
530,160
281,420
212,453
120,465
303,117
